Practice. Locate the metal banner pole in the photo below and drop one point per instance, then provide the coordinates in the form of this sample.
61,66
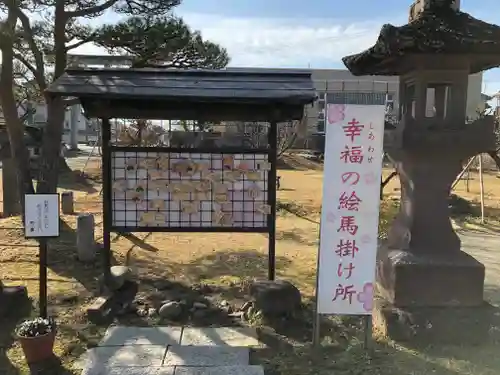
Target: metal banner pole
316,339
42,246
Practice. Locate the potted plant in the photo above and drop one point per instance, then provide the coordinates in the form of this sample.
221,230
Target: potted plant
37,338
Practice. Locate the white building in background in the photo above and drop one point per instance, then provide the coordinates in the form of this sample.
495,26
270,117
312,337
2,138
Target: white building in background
333,84
86,130
330,83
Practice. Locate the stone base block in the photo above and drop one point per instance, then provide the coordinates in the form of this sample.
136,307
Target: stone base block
105,307
431,325
429,280
12,298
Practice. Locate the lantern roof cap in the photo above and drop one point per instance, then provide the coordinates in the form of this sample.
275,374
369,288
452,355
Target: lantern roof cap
438,30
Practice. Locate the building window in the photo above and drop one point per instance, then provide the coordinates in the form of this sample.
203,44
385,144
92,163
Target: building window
320,126
361,98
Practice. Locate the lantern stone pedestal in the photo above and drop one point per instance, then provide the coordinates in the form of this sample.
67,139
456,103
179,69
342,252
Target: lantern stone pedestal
427,284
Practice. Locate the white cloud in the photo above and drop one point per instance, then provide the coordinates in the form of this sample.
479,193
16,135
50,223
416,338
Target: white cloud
265,42
284,42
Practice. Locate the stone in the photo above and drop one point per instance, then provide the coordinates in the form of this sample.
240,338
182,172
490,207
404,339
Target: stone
67,203
119,275
170,310
122,335
107,370
126,356
142,312
221,336
152,312
99,309
199,305
164,285
405,279
198,315
430,325
11,297
220,370
206,356
85,240
276,298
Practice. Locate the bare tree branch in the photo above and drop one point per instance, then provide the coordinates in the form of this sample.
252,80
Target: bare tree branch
39,72
26,63
86,12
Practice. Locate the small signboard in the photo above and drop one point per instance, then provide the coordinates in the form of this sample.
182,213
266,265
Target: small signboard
350,210
41,215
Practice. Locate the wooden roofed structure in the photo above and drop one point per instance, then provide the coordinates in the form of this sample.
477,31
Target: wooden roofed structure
206,95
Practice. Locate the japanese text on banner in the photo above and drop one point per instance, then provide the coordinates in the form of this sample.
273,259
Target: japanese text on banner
353,162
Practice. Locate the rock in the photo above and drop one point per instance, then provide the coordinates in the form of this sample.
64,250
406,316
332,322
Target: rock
163,285
200,314
224,303
237,314
13,299
203,288
119,274
246,306
151,312
200,305
85,241
142,312
67,203
275,298
170,310
70,299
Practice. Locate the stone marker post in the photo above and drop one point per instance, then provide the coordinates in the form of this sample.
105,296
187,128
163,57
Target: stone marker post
85,241
67,203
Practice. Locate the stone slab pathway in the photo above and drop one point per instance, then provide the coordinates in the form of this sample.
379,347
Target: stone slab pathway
173,351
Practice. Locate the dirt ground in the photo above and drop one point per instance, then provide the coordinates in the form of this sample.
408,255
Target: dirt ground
229,261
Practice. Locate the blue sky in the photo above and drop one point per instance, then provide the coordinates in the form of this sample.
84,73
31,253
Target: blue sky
295,33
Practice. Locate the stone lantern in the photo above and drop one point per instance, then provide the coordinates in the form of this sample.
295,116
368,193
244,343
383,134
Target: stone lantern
434,54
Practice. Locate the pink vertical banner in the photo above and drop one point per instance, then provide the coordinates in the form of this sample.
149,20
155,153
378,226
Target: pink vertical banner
350,208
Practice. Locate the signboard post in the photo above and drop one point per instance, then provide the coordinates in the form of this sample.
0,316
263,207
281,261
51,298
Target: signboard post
350,211
41,221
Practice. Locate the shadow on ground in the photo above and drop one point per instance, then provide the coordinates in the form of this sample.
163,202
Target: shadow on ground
8,324
75,180
296,162
288,351
63,260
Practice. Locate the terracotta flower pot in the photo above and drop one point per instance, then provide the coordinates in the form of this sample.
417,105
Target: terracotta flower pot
38,348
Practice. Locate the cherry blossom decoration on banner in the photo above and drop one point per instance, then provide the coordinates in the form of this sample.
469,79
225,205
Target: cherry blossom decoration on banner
350,210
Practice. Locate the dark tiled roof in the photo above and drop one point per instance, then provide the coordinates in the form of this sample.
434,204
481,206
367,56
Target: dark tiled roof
436,31
291,87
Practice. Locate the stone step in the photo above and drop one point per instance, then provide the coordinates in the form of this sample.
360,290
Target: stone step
222,336
206,356
220,370
102,358
178,370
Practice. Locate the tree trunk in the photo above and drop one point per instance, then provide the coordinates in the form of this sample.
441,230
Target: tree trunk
11,202
15,127
51,147
49,158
